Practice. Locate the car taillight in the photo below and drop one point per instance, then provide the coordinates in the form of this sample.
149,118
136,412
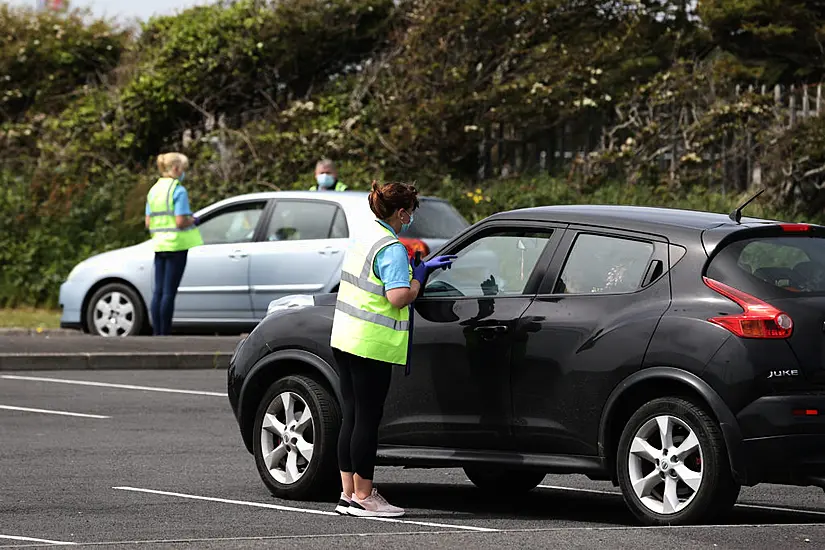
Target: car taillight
759,319
415,245
795,227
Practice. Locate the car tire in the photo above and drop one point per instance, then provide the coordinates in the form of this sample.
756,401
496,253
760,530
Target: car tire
661,489
503,480
291,473
115,310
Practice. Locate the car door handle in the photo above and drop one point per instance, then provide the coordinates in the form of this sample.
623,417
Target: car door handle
239,254
328,250
491,331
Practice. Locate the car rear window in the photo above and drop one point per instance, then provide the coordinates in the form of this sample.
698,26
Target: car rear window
775,266
436,220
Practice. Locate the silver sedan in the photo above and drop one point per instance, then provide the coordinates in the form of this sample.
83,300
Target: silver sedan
258,248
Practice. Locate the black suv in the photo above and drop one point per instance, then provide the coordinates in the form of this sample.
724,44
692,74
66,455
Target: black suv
677,353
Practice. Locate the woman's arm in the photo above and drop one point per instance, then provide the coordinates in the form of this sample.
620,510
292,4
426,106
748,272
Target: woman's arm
392,265
183,213
184,221
402,297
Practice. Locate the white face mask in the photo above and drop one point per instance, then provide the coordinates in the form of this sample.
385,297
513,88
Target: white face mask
325,180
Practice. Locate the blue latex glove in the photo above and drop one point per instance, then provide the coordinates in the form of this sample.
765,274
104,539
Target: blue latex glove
423,269
420,272
440,262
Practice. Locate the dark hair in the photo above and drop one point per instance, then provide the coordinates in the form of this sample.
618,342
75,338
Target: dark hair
386,199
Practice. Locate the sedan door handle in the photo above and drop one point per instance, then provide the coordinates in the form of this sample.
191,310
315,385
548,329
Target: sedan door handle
328,250
238,254
491,331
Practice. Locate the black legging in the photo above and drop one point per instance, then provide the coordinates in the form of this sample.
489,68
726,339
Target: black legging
364,387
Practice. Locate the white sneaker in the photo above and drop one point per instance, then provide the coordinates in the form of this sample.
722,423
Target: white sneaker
373,506
343,505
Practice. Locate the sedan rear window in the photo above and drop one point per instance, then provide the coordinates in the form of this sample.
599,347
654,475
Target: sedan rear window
436,219
776,266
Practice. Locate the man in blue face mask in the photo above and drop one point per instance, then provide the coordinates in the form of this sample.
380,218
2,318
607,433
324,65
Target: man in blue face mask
326,177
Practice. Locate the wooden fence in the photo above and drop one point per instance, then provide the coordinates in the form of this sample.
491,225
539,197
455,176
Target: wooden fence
507,151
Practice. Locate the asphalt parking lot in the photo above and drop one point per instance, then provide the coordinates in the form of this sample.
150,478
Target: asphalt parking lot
154,459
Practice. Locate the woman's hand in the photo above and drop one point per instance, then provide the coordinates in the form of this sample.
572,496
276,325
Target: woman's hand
440,262
423,269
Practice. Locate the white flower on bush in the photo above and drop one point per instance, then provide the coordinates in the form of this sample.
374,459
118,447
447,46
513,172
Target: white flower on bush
538,86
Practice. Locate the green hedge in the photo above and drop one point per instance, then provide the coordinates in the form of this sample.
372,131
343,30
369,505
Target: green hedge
39,248
255,91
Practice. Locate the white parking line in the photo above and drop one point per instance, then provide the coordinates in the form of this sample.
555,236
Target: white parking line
303,510
442,533
576,489
29,539
738,505
781,509
46,411
107,385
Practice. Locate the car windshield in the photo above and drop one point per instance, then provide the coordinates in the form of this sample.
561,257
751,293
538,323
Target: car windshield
772,267
436,219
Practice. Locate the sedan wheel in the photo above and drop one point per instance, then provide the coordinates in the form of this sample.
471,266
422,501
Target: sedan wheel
295,438
672,465
665,464
114,310
287,437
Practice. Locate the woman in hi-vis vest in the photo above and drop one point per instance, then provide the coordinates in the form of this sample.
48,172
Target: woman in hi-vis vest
174,231
370,334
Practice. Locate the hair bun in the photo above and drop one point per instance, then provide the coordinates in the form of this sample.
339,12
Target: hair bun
376,188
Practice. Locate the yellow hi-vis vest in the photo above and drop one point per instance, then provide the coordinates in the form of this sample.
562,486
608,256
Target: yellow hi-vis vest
162,226
365,323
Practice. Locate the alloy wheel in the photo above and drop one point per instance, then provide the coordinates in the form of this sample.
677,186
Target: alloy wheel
665,464
114,314
287,438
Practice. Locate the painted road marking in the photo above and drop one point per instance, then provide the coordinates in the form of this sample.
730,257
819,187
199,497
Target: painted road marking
593,491
45,411
303,510
29,539
438,533
781,509
107,385
752,506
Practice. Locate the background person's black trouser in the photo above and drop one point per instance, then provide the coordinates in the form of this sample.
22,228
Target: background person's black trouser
169,268
364,387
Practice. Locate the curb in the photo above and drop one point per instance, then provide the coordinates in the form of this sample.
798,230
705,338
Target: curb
114,361
43,332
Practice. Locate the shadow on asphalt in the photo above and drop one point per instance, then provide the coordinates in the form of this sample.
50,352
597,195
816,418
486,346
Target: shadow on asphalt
452,502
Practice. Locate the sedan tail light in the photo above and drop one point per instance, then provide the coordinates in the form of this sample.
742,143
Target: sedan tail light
758,320
415,245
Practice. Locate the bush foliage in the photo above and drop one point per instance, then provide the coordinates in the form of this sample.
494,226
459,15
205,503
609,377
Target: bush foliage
255,91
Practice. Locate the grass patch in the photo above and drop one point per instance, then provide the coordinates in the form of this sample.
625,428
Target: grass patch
29,318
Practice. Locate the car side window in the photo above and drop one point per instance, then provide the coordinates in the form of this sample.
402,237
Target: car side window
233,224
497,264
301,220
340,230
598,264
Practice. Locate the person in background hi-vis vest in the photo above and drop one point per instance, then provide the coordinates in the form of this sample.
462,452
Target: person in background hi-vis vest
174,231
370,334
326,177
